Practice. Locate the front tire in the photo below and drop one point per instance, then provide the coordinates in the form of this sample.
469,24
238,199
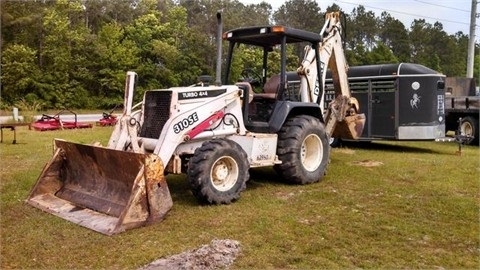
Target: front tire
218,171
303,148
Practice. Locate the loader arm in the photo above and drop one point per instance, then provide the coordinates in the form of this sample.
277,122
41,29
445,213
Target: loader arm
344,108
124,132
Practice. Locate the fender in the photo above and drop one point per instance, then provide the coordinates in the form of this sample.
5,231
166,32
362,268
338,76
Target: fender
286,109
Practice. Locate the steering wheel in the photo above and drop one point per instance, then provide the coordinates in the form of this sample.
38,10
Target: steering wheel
251,76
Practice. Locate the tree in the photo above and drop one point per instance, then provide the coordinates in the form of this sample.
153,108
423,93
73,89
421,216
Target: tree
202,25
301,14
62,56
362,28
380,54
75,53
165,48
262,14
422,52
394,35
22,22
19,73
96,13
113,56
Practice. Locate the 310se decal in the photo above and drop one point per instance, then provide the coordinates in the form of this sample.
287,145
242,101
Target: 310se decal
185,123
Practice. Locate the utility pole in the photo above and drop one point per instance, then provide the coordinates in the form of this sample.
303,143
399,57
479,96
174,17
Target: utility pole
471,40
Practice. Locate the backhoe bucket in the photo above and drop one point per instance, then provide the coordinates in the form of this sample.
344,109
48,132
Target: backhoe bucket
351,127
106,190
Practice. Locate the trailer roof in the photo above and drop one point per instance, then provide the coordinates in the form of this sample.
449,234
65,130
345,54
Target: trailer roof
268,36
396,69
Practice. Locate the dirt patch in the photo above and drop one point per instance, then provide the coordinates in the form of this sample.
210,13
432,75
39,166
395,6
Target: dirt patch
284,195
368,163
219,254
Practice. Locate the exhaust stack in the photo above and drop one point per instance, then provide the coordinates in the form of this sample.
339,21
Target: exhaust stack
218,75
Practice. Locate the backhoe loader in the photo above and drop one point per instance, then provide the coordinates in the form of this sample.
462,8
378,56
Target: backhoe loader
212,132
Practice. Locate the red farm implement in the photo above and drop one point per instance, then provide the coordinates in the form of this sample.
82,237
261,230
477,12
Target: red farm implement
49,122
108,119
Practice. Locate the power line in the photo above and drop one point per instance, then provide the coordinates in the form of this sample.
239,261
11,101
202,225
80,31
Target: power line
404,13
438,5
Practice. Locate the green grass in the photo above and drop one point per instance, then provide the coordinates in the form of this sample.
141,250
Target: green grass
418,209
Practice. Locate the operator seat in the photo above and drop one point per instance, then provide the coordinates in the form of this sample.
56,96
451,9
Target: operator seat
270,88
259,110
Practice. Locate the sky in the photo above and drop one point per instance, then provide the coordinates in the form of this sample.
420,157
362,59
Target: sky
453,14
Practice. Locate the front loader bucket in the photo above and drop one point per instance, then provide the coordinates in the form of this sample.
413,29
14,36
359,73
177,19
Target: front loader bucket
105,190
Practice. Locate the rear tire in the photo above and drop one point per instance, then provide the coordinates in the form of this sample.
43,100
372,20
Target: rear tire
218,171
469,126
303,148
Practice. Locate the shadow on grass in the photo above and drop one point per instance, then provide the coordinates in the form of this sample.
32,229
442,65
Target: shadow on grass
13,144
265,175
182,194
266,178
180,190
382,146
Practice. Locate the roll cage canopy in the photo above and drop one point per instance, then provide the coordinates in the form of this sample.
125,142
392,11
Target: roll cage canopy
268,37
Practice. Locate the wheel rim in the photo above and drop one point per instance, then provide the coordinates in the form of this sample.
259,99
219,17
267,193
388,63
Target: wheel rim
311,152
224,173
466,129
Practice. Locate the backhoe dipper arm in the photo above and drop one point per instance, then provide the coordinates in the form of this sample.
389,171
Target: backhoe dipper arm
344,108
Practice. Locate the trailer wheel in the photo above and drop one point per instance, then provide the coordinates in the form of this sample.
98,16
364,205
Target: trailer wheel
469,126
303,148
218,171
334,142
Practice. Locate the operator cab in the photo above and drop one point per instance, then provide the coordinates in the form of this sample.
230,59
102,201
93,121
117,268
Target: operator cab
263,75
